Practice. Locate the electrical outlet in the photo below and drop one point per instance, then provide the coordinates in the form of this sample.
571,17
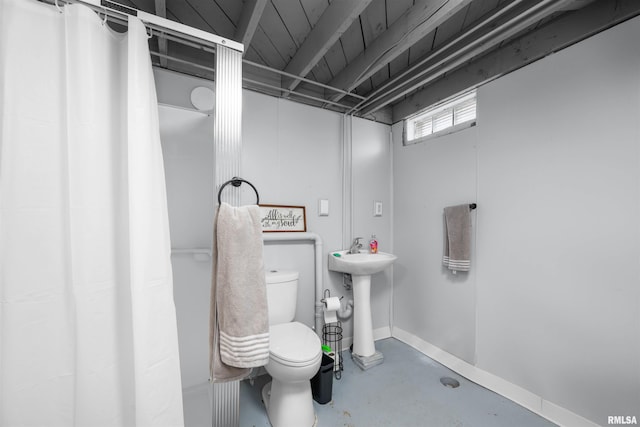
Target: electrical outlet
377,208
323,207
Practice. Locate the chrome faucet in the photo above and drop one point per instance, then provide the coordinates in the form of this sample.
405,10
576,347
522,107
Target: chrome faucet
355,246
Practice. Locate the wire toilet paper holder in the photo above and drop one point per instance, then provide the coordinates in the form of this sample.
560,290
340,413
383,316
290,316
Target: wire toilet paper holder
332,337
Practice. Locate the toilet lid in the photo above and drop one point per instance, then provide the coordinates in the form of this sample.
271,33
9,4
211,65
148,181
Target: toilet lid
293,343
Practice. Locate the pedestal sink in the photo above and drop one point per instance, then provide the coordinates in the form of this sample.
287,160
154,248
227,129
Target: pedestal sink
361,266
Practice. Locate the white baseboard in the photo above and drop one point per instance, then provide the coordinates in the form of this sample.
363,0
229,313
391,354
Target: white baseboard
519,395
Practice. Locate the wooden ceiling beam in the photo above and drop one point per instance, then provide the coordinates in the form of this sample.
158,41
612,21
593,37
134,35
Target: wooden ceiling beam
424,17
335,20
251,14
556,35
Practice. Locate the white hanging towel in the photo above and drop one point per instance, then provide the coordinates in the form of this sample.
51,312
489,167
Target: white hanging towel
457,238
239,330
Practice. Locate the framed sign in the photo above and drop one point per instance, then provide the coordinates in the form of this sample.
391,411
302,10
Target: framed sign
282,218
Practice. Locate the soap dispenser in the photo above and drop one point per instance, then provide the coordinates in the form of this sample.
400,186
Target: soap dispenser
373,245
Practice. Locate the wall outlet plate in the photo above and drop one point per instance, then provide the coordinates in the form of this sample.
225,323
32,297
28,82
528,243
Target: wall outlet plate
323,207
377,208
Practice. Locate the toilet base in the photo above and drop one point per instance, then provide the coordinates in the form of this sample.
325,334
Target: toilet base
367,362
289,404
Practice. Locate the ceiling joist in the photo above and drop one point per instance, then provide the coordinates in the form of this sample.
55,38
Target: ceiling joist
251,14
336,19
418,21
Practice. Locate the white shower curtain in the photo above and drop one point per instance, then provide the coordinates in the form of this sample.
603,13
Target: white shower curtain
88,332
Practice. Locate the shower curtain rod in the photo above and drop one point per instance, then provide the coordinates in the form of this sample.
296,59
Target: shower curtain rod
156,23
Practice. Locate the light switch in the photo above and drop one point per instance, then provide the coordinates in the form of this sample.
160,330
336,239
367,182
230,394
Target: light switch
377,208
323,207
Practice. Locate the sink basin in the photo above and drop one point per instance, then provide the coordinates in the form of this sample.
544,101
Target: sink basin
359,264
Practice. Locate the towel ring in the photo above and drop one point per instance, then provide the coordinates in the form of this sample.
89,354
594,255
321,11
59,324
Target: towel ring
236,182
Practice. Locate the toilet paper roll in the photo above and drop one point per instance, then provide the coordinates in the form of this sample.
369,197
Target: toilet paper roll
331,306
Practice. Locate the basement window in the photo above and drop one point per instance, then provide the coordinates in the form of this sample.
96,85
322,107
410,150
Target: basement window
441,119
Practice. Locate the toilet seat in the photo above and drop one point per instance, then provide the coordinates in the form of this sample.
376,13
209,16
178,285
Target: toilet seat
294,344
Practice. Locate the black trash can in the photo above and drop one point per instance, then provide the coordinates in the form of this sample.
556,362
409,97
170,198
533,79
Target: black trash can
322,382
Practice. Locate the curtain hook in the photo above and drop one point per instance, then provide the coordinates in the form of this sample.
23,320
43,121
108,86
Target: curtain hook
104,11
58,6
150,33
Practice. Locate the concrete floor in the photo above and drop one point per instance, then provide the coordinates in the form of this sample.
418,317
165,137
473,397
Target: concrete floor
405,391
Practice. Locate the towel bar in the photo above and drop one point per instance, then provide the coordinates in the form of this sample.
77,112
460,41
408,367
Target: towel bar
236,182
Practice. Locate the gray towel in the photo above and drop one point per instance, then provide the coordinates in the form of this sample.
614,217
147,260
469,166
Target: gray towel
239,328
457,238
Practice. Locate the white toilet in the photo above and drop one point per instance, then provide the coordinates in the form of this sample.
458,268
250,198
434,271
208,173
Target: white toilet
294,356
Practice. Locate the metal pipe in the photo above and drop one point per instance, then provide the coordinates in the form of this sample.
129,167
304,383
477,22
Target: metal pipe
346,312
547,6
293,76
182,61
291,92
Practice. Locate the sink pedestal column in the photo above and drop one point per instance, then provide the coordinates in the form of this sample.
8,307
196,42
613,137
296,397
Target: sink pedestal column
364,351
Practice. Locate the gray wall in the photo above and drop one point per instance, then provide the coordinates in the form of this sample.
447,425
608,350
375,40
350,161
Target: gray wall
371,172
552,303
294,154
430,302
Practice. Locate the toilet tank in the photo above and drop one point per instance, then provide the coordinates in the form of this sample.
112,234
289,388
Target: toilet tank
282,295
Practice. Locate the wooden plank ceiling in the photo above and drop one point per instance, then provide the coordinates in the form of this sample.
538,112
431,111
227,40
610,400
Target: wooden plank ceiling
386,59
